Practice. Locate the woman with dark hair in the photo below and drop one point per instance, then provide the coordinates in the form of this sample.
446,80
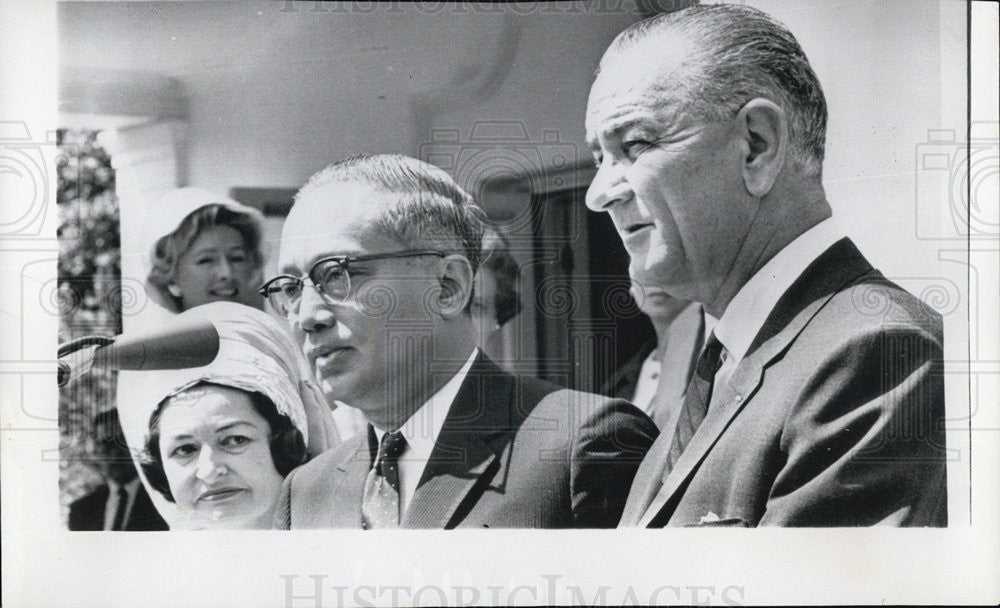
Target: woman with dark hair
211,254
221,454
221,438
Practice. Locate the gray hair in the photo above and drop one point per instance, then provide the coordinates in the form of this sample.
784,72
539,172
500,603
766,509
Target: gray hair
429,208
736,53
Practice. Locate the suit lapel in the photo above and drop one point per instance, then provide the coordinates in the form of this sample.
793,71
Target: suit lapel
687,335
827,275
647,483
100,505
347,487
724,406
142,510
463,454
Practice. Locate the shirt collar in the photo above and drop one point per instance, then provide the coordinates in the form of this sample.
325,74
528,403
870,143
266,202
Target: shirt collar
422,429
746,313
129,486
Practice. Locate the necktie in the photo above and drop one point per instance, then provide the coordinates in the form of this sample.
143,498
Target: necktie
696,399
380,507
119,523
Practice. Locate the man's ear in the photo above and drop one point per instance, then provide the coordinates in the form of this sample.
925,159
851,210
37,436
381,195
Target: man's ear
763,126
456,281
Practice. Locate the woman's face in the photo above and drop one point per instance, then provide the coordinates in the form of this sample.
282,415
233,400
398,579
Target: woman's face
217,458
217,267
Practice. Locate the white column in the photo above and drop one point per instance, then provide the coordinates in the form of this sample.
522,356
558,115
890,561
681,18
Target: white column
149,160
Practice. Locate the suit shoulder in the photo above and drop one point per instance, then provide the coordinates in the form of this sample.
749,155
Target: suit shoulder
873,303
318,468
597,414
548,395
96,496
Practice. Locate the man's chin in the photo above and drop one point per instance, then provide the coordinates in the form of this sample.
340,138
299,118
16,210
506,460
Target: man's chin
339,387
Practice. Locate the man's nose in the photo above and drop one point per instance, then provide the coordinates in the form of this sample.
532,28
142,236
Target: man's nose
315,313
608,188
210,466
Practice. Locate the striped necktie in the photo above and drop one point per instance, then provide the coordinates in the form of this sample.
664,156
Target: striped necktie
696,400
380,506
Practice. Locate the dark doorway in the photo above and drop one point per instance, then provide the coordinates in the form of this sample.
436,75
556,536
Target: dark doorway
588,324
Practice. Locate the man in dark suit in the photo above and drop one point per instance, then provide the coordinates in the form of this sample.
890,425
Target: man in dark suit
378,256
121,503
818,397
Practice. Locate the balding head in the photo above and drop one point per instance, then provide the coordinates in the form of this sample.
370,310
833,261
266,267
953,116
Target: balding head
423,204
720,56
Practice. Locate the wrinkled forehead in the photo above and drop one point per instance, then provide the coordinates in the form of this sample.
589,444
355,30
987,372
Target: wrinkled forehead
638,72
341,218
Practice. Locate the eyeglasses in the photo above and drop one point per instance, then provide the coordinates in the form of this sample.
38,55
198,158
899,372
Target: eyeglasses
331,277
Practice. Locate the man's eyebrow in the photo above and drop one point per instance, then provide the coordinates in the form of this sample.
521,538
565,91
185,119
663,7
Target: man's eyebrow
627,125
292,268
615,131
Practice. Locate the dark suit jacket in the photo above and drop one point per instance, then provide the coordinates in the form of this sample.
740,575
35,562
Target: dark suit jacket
87,513
833,418
513,452
625,379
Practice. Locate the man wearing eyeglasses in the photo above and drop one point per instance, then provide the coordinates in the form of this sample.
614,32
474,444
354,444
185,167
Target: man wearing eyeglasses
378,259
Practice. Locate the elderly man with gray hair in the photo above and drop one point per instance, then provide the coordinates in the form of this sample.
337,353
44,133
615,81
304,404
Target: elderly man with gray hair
809,406
378,259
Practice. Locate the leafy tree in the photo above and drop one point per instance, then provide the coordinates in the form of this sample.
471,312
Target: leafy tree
89,283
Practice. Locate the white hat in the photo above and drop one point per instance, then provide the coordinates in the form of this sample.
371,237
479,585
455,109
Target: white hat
257,354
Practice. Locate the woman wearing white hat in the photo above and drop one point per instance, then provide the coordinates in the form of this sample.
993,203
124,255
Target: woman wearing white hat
221,438
212,252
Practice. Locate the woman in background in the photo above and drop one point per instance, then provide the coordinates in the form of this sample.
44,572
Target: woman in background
211,254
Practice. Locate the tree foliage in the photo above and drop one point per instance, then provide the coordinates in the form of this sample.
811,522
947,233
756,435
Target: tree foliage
89,283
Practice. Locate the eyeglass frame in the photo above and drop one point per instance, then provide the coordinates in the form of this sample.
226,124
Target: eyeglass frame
344,261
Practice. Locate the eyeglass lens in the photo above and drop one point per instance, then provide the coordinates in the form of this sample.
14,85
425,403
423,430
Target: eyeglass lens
330,277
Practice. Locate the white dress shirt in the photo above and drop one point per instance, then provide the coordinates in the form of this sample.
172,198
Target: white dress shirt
111,506
748,310
646,383
421,432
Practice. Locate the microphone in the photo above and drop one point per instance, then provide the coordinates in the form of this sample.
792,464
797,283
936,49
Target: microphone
183,342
